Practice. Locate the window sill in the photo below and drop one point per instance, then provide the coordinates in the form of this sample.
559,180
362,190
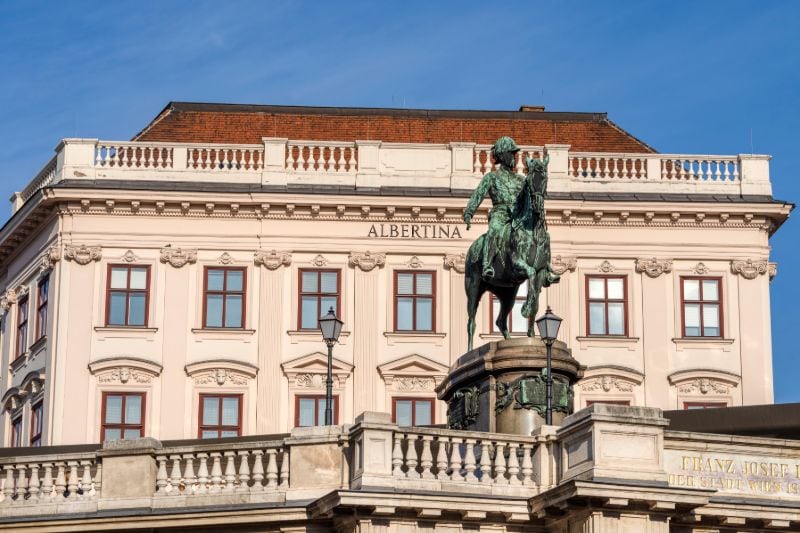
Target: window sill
607,341
607,338
313,335
415,336
202,334
124,329
703,343
37,346
20,361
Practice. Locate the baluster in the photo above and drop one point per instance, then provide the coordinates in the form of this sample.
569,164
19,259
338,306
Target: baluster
86,480
72,483
230,471
8,488
726,166
61,483
216,472
455,460
33,487
258,470
98,156
411,457
736,171
202,473
175,474
513,464
500,464
518,162
272,469
161,476
22,482
717,171
290,158
340,160
476,161
304,156
527,464
284,473
159,157
614,163
189,480
98,478
397,456
244,471
469,461
441,458
47,482
426,459
486,463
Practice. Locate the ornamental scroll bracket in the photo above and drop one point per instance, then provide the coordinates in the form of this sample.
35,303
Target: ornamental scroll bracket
50,257
177,257
82,254
456,262
561,264
272,260
366,261
653,267
750,269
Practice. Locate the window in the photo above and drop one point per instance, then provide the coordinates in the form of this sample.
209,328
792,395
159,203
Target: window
37,413
414,301
224,297
123,415
310,410
701,300
41,307
319,291
608,402
128,295
516,322
412,411
16,432
607,298
704,405
22,326
220,416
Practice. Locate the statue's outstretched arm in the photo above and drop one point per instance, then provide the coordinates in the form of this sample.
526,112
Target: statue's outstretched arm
477,197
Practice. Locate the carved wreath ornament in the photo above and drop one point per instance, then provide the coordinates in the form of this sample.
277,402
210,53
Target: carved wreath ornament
653,267
749,269
367,261
273,259
82,254
177,257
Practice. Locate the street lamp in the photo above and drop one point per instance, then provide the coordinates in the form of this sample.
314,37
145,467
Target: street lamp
331,327
548,325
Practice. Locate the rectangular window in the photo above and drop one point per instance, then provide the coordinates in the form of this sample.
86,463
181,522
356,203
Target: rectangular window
310,410
704,405
123,416
224,297
414,301
37,413
516,322
22,326
220,416
16,433
608,402
319,291
606,305
412,411
128,295
41,307
701,301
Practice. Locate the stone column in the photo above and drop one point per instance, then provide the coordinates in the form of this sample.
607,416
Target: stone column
270,323
366,329
458,305
657,328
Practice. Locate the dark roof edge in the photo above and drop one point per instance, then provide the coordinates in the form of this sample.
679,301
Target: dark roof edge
626,132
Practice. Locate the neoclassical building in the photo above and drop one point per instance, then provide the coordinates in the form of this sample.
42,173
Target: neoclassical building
170,286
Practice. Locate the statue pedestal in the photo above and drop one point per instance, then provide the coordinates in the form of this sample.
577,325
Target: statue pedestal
500,387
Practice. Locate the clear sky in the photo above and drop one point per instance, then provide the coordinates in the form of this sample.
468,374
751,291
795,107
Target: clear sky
718,77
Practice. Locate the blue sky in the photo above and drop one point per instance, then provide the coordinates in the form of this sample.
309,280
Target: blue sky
717,77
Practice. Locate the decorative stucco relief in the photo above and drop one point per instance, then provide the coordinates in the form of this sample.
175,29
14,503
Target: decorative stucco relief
414,262
310,381
178,257
772,270
124,374
606,383
654,267
272,259
225,259
82,254
704,386
319,261
455,262
8,299
413,384
606,267
700,269
562,264
366,261
129,257
220,376
749,269
50,257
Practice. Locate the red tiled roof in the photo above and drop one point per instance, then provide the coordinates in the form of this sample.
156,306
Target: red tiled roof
247,124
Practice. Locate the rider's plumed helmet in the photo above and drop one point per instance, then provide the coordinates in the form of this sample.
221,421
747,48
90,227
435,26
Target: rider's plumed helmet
504,145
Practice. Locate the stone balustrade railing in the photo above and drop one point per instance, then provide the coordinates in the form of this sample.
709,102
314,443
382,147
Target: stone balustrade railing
372,164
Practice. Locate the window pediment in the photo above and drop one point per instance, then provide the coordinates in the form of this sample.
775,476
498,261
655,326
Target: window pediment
413,373
610,379
704,381
221,372
123,370
309,371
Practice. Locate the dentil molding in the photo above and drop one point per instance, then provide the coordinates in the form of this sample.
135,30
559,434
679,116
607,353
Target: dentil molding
366,261
272,259
653,267
82,254
455,262
750,269
178,257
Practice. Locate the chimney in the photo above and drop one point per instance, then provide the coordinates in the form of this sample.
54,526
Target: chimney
531,108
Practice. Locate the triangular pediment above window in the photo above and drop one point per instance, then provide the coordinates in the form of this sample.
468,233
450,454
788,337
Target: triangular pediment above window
415,371
309,370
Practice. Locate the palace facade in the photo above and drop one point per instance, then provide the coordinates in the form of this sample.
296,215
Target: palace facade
170,286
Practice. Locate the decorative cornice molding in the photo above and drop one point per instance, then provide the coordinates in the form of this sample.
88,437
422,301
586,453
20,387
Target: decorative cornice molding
272,259
50,257
562,264
178,257
455,262
749,269
366,261
82,254
606,267
654,267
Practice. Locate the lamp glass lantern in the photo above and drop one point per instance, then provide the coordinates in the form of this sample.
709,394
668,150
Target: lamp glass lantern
548,325
331,326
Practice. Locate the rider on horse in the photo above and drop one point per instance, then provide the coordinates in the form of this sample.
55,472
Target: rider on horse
503,186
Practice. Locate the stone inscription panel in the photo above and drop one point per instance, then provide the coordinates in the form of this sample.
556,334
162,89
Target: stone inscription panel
734,474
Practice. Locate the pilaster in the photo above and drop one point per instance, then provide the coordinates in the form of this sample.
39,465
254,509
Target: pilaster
271,314
366,348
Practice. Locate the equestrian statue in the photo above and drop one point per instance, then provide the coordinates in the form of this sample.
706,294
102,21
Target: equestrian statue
516,247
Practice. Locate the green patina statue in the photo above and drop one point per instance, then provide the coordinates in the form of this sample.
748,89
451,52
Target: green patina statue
516,247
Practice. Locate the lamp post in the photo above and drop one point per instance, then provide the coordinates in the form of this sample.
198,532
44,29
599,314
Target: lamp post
548,325
331,327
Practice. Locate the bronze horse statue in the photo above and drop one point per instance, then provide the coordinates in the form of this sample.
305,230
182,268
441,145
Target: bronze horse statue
524,255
